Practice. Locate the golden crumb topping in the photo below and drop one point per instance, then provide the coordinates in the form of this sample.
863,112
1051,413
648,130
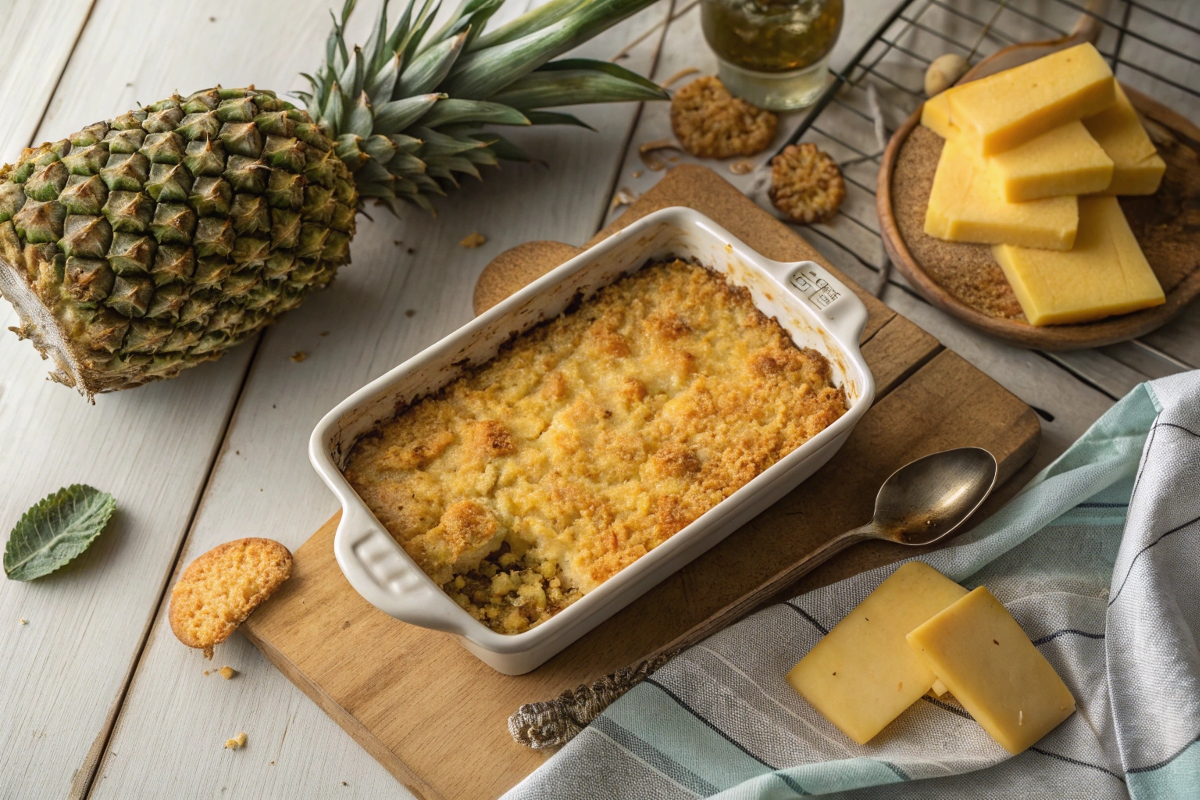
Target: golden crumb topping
590,440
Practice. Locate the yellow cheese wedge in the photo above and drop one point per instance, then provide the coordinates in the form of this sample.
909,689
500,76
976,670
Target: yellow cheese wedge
863,674
967,205
1065,161
985,659
935,115
1106,273
1138,168
1011,107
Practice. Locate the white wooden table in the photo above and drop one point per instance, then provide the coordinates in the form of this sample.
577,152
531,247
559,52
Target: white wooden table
96,696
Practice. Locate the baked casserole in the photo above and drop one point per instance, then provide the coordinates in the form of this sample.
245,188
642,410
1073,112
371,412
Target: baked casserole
591,439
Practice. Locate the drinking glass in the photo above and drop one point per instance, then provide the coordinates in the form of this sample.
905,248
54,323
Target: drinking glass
772,53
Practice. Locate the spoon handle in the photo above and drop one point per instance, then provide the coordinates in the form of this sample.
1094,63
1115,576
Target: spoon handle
825,552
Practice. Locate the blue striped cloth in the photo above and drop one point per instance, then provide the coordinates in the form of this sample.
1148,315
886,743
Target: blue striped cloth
1098,559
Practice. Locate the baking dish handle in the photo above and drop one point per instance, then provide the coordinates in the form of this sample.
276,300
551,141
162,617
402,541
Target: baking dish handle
844,314
386,578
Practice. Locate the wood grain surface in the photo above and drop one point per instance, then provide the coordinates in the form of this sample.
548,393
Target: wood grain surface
389,684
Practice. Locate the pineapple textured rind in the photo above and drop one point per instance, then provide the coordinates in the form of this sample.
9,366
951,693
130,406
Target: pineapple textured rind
162,238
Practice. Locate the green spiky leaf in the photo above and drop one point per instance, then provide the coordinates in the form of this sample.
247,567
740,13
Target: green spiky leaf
575,81
407,111
360,120
397,115
55,531
535,20
505,149
485,71
453,110
556,118
431,67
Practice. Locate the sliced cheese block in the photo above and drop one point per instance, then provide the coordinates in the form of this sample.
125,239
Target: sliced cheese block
967,205
1137,166
935,115
1011,107
1106,272
938,688
863,674
1065,161
985,659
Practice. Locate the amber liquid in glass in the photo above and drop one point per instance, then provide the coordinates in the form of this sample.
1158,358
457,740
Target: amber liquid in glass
773,53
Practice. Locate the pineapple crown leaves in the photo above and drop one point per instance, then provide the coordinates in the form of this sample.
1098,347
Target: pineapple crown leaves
407,110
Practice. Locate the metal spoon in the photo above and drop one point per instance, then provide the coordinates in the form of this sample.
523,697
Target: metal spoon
921,503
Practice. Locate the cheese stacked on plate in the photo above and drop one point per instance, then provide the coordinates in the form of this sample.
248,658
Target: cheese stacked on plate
1033,161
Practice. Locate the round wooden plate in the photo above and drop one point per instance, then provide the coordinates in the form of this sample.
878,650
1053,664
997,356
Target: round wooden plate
1167,225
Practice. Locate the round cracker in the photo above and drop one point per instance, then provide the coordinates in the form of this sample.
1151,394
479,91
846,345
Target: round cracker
221,588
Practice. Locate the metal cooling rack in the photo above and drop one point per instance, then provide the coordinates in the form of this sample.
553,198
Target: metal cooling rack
1154,47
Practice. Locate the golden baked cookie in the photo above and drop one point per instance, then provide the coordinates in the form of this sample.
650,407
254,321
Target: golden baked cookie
806,184
219,589
711,123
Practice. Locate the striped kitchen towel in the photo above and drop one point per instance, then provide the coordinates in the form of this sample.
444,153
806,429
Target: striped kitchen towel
1098,559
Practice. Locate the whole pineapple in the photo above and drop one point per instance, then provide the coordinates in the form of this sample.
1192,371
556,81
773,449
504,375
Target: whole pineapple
160,239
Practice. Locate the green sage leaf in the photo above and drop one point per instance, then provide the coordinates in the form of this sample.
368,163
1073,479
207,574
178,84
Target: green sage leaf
56,530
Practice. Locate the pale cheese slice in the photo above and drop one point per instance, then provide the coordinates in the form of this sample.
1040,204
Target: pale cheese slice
1009,108
1065,161
984,657
1138,169
1105,274
967,204
935,115
863,674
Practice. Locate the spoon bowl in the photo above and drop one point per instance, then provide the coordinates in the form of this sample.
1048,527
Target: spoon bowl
929,498
922,502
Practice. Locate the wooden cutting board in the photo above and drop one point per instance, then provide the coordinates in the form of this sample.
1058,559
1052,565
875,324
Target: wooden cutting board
435,717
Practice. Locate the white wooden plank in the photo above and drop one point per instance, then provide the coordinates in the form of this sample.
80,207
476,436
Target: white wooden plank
174,721
1180,338
36,38
65,672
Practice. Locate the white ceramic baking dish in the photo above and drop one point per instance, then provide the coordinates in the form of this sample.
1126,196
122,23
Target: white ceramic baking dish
815,308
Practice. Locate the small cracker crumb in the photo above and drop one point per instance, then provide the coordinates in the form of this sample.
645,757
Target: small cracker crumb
473,240
207,672
711,123
299,356
237,742
23,621
806,184
228,672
